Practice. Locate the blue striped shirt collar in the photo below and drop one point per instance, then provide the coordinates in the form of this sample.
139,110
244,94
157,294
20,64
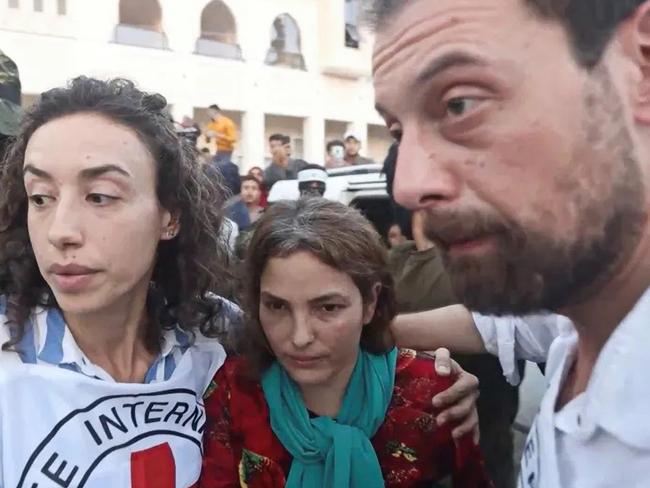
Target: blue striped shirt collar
48,340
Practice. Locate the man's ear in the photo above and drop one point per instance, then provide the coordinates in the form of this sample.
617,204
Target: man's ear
637,44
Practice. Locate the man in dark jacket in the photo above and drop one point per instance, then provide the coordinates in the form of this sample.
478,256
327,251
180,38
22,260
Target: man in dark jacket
229,171
282,167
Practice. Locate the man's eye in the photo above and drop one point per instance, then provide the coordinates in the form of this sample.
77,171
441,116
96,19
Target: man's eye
459,106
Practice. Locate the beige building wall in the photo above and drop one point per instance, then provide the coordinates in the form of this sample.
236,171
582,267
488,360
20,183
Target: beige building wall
93,37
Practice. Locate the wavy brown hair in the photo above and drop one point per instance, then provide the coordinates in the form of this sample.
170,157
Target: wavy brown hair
187,268
339,237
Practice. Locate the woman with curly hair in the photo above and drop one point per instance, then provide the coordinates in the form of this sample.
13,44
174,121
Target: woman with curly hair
320,397
109,249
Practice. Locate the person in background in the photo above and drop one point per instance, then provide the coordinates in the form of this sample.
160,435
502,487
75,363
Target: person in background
279,167
335,154
258,174
400,215
251,192
229,171
188,129
395,236
287,146
224,131
298,165
320,397
352,147
312,181
294,164
10,100
205,158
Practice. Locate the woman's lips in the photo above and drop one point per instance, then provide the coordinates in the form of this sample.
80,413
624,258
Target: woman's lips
73,283
305,361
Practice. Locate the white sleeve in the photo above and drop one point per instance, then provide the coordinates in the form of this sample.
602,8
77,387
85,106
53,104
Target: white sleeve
514,338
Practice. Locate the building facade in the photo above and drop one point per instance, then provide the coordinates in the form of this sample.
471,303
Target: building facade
298,67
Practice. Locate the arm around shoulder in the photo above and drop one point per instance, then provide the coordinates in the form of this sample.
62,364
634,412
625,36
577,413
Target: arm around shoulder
515,338
449,327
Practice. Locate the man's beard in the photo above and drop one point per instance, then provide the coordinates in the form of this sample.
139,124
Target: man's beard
528,271
532,271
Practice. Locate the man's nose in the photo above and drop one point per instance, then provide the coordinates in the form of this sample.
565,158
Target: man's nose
424,176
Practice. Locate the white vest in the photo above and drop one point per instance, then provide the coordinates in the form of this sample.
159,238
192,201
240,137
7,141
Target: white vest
59,428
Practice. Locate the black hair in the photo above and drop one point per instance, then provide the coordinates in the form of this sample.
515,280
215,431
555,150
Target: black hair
277,137
589,23
334,143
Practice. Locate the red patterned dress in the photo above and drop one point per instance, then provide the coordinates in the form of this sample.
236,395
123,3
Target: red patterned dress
242,450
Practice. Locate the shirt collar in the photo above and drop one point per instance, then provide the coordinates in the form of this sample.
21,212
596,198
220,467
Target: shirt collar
618,395
55,344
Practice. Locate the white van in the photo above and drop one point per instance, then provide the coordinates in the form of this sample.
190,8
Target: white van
362,187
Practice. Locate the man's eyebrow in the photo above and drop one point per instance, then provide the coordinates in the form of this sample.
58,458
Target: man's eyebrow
447,61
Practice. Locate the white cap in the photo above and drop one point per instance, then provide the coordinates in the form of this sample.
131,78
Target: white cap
312,174
352,134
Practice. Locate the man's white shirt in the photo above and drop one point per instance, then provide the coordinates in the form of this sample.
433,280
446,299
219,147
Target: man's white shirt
601,439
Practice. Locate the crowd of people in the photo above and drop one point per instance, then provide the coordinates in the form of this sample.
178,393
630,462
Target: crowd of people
139,350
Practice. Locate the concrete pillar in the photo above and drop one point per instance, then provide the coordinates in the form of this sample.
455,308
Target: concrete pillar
314,137
251,144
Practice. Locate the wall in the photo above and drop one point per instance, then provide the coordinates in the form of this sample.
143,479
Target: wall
50,49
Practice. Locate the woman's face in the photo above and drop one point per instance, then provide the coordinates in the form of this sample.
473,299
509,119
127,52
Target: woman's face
312,316
94,218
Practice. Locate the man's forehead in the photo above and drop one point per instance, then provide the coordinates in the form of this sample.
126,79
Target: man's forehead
421,21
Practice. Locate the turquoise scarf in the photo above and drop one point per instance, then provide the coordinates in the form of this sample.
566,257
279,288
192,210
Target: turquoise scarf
330,453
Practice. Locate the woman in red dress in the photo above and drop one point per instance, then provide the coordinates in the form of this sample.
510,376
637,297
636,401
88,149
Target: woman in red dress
319,398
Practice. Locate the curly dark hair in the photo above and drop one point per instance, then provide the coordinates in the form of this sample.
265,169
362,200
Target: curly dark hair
338,236
589,23
187,268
